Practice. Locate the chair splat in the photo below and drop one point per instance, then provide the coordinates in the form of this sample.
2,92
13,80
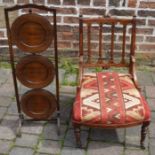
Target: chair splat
89,42
112,43
123,44
100,59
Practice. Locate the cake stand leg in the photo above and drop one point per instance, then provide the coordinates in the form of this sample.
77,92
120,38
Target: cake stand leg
21,119
58,122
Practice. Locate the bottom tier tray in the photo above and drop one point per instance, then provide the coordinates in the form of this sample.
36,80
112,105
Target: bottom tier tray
38,103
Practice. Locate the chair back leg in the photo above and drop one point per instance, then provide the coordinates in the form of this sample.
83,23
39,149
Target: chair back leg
144,130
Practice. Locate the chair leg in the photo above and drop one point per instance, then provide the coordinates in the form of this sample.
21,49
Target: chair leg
77,135
144,130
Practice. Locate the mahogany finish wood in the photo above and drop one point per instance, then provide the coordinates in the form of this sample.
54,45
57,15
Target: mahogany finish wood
100,60
111,62
89,42
32,33
35,71
38,104
85,57
144,131
124,43
112,43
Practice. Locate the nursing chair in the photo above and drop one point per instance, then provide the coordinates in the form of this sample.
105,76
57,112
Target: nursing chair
108,99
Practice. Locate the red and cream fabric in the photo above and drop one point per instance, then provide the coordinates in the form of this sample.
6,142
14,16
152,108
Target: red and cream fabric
109,99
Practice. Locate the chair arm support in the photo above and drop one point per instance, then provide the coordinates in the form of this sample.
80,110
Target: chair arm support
133,72
80,74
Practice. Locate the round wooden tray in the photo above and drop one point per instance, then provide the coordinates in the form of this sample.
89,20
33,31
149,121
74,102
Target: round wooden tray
32,33
38,104
35,71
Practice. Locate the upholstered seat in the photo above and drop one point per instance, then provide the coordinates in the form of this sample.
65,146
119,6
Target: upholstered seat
109,99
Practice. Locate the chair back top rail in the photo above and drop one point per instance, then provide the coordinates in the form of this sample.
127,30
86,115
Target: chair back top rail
107,20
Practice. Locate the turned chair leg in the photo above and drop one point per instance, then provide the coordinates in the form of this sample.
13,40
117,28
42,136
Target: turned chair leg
144,130
77,135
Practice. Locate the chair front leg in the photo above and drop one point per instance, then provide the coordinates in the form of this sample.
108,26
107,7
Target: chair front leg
77,135
144,130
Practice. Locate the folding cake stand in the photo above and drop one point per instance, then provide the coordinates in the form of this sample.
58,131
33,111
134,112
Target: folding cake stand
33,34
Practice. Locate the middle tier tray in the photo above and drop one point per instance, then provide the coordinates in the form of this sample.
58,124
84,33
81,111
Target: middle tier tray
35,71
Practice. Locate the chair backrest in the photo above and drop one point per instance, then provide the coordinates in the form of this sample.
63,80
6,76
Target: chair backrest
114,42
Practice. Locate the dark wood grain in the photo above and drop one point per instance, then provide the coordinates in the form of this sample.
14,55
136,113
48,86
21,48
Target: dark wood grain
123,44
110,62
100,60
35,71
112,43
32,33
38,103
89,42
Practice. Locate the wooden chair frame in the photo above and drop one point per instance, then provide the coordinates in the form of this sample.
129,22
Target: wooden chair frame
12,58
100,63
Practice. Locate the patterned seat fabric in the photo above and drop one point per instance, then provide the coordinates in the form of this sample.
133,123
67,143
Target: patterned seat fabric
109,99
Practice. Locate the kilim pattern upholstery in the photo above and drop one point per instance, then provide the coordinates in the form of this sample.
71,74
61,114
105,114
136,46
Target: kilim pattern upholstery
109,99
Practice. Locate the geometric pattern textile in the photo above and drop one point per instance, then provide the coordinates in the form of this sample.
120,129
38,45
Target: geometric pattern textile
109,99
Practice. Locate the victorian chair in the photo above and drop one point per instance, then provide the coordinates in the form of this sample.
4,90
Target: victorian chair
108,99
